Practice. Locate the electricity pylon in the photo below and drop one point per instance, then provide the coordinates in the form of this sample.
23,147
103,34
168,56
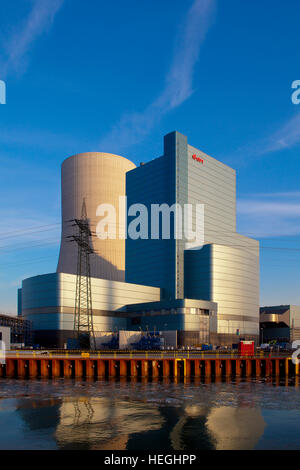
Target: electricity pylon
83,315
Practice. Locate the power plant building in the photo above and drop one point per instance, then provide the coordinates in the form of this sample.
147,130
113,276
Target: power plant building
206,290
280,323
226,269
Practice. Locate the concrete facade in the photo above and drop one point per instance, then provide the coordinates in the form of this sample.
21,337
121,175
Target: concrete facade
97,178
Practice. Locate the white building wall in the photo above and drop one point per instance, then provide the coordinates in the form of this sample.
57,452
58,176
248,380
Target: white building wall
107,295
213,184
231,276
49,301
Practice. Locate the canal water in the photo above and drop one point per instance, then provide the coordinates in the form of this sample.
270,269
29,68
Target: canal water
158,415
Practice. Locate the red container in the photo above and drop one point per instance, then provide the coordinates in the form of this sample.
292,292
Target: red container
246,348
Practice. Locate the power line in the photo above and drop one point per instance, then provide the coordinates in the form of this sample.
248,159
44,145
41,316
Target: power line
29,231
23,263
33,230
48,242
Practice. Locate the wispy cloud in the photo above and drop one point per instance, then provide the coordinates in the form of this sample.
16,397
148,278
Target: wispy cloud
261,217
287,194
259,207
26,228
285,137
18,44
133,127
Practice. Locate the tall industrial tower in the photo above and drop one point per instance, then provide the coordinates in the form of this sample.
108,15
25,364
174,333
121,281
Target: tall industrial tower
83,317
100,178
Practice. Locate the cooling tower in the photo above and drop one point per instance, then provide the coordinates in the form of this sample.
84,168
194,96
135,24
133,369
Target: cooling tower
97,178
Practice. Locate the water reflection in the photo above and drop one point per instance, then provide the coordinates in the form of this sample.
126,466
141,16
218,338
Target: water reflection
235,428
104,423
119,415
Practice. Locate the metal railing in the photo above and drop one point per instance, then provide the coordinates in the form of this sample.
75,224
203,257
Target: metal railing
160,354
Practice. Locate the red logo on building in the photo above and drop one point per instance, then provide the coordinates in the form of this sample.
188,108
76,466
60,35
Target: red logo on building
198,159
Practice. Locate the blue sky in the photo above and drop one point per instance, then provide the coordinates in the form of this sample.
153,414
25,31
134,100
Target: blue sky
117,76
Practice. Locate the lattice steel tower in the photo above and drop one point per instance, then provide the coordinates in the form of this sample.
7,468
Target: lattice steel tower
83,316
